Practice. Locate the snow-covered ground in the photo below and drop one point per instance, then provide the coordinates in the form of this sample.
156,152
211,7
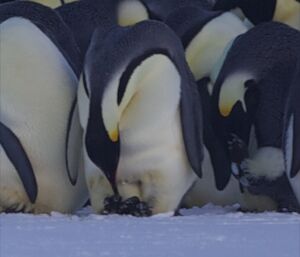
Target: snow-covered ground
207,232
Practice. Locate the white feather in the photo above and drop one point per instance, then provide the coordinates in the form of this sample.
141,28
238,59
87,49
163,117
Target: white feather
267,162
208,45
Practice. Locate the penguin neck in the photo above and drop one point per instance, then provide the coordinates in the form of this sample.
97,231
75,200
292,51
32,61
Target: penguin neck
150,103
287,11
203,52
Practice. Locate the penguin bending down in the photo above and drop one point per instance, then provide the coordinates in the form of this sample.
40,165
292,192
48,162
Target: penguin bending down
249,98
40,144
291,143
216,185
141,115
259,11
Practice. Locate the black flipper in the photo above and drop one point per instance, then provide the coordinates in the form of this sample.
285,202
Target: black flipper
72,155
296,145
218,154
292,124
192,121
18,157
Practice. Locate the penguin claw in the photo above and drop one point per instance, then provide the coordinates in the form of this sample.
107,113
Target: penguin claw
131,206
16,208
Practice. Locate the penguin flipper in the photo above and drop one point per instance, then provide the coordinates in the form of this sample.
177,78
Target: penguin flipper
219,159
292,145
192,124
18,157
73,139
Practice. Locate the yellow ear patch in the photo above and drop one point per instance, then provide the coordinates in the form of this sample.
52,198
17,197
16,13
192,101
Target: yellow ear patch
131,12
287,11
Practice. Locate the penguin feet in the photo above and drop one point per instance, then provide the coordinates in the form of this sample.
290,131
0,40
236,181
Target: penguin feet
237,149
131,206
257,185
279,190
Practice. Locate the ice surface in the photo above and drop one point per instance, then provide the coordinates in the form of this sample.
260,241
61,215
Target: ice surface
208,231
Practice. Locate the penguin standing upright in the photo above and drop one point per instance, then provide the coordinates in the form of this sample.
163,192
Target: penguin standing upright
259,11
249,97
141,115
39,125
291,140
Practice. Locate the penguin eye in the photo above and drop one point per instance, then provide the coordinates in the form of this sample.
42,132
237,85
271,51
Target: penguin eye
250,84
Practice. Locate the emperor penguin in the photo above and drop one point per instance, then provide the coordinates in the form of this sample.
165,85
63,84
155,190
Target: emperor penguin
141,116
258,11
40,135
249,98
291,142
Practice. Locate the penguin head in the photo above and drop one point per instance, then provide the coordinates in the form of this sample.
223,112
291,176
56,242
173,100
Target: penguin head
256,11
233,91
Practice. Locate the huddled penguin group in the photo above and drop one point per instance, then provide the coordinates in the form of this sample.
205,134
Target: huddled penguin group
146,106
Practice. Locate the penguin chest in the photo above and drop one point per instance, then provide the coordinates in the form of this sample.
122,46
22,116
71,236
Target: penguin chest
153,164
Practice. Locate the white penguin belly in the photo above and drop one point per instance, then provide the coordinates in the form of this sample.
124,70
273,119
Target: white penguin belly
37,90
154,166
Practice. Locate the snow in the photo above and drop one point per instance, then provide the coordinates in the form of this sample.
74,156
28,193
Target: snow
208,231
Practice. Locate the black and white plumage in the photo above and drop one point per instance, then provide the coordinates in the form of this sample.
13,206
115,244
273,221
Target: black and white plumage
141,115
291,144
39,124
250,95
259,11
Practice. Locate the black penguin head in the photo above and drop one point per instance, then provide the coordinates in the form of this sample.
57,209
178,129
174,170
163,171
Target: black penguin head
257,11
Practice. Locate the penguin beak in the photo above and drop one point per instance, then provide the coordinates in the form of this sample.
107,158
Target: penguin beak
230,94
114,135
